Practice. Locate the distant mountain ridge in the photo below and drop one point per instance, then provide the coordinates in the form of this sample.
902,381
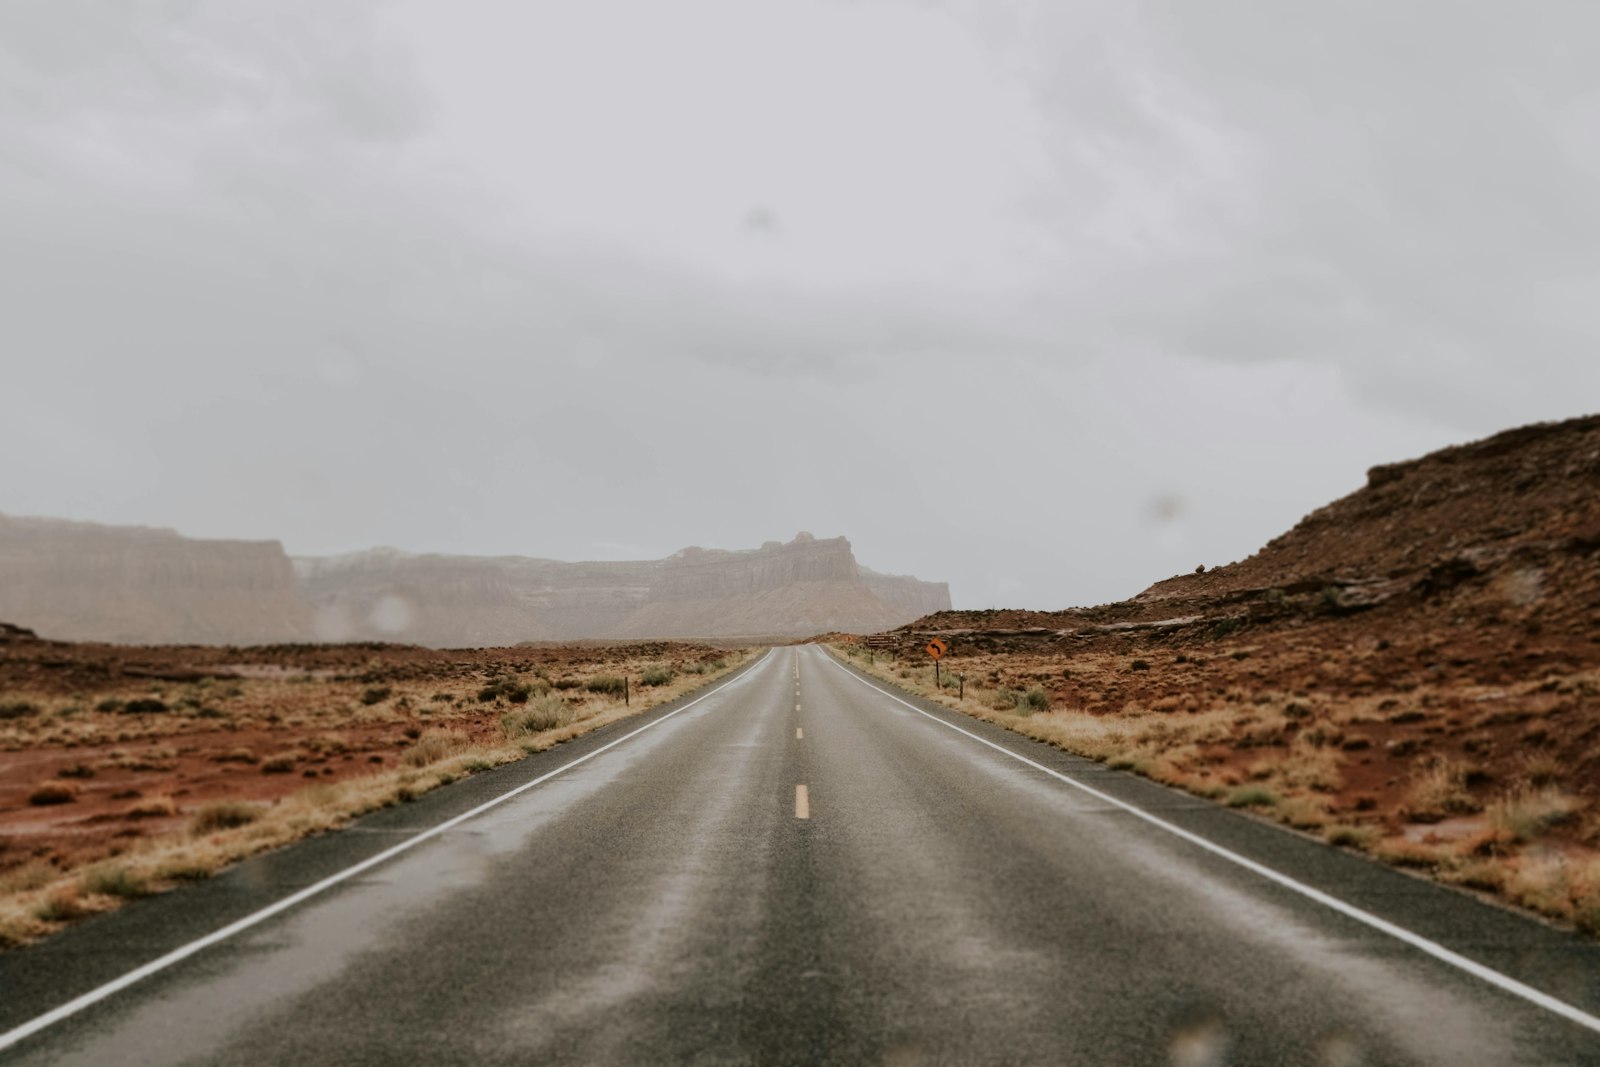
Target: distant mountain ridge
140,585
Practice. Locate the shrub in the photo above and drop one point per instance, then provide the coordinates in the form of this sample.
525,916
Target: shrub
1036,699
1350,835
17,709
434,746
53,793
113,882
222,815
655,676
77,770
608,684
153,808
1527,814
144,706
512,690
235,755
1438,791
1139,665
62,905
1225,626
545,713
566,683
1252,796
375,694
109,704
282,763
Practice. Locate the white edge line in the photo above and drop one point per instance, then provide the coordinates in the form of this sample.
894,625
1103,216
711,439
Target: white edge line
1417,941
183,952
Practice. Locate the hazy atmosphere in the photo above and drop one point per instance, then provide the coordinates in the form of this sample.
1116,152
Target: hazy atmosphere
1048,301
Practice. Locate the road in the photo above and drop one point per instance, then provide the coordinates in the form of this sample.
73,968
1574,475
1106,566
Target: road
801,867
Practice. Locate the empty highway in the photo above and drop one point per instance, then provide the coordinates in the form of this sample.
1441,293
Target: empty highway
802,866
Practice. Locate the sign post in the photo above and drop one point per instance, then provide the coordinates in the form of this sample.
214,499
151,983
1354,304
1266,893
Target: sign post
937,648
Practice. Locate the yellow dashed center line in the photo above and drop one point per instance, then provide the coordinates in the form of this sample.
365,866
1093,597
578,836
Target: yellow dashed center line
802,803
798,733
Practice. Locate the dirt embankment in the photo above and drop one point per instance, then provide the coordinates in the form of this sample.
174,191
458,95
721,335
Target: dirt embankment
124,770
1413,669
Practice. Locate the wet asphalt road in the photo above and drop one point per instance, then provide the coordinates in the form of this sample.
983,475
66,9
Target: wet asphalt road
940,903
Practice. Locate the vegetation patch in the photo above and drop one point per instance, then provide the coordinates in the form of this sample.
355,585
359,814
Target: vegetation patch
546,713
657,676
50,793
222,815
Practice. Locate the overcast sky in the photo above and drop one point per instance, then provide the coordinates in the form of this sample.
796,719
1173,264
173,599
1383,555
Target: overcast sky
1049,300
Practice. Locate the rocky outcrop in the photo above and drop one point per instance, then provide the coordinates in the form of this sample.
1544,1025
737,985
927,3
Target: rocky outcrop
779,590
1532,489
138,585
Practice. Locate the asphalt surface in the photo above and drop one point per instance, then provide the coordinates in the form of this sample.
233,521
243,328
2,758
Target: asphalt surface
662,901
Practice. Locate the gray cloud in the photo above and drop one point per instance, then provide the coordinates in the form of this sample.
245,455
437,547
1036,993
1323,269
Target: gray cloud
973,284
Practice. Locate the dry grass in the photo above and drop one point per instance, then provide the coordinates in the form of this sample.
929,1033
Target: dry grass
153,808
222,815
434,746
1527,814
1439,791
537,716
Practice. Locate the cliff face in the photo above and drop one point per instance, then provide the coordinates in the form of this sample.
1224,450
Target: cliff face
136,585
805,587
467,601
797,589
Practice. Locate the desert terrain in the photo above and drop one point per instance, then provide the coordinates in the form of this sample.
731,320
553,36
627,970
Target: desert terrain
128,770
1413,670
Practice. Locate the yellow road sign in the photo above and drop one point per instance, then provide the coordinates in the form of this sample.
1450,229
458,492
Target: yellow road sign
937,648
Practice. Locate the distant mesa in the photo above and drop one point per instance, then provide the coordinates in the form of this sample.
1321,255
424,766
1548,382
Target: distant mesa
137,585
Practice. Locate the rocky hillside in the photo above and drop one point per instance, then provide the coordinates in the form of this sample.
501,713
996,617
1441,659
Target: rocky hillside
1505,528
794,589
78,581
1516,499
132,584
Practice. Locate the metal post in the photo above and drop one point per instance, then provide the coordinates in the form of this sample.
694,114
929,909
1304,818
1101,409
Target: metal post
963,695
626,701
